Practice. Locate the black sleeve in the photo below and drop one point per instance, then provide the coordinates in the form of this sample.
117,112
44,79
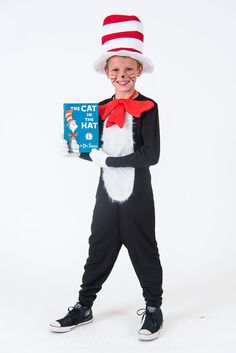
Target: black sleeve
85,156
148,154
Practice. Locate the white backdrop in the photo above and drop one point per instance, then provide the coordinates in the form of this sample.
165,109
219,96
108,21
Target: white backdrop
47,53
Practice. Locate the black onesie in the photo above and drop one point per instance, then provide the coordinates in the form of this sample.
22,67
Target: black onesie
124,211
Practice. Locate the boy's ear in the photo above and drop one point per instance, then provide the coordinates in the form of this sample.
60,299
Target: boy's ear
106,71
140,70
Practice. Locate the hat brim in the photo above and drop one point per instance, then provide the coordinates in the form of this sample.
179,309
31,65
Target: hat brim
99,64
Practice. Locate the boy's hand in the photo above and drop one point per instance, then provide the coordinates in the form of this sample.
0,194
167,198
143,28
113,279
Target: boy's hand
99,157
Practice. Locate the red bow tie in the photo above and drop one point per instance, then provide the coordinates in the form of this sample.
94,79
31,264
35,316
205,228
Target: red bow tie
118,107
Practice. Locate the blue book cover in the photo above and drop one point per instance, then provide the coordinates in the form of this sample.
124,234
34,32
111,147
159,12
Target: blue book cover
81,127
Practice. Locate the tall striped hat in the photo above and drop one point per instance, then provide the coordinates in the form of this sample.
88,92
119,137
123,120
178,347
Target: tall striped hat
122,35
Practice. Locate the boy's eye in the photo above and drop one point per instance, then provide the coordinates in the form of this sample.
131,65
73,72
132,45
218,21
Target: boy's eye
130,68
114,69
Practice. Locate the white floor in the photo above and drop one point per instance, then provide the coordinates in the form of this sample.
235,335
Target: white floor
199,316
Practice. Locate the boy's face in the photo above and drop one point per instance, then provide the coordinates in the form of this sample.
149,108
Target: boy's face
123,72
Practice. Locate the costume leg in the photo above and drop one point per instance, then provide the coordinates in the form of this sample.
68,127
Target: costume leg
138,232
104,247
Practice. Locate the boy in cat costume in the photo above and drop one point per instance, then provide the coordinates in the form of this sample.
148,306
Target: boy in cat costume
124,211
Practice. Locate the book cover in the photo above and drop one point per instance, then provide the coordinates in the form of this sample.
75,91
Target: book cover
81,127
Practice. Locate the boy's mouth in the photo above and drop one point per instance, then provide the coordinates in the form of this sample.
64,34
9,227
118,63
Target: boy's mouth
123,82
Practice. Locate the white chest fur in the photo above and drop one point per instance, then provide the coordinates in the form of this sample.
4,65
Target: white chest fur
117,142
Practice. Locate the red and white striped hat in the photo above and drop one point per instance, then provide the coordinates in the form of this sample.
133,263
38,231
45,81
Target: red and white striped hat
69,115
122,35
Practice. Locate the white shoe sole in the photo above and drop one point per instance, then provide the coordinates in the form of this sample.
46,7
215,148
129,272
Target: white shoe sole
68,328
149,337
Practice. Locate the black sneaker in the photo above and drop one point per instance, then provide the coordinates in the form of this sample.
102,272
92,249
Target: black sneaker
77,315
152,321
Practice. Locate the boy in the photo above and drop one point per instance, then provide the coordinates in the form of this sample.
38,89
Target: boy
124,211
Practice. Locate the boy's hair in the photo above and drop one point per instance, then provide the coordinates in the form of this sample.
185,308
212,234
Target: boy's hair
138,63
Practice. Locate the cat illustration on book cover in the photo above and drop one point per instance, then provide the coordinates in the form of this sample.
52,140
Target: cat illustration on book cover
73,147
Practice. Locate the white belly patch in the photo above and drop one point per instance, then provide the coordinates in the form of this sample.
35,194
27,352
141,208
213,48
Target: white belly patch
117,142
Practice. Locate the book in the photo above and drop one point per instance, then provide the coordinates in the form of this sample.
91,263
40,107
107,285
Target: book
81,127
